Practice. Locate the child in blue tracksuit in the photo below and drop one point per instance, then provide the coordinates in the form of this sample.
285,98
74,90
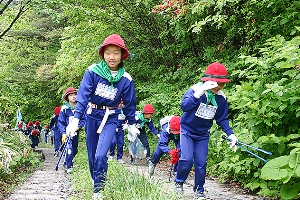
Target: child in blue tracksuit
201,104
46,133
142,120
37,126
54,127
65,117
118,139
29,128
170,126
34,136
100,92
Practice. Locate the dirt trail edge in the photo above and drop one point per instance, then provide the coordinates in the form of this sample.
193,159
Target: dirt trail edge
45,183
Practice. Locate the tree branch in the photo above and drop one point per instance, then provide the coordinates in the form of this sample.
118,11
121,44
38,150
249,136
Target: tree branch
5,6
22,9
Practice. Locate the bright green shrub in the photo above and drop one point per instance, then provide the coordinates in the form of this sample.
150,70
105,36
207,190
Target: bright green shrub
266,110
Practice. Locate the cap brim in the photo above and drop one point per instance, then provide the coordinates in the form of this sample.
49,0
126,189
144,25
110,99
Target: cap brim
126,55
175,132
220,80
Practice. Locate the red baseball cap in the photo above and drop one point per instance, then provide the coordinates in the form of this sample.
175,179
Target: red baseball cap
216,72
175,125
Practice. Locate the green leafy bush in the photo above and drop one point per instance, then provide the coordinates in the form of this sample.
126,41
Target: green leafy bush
266,111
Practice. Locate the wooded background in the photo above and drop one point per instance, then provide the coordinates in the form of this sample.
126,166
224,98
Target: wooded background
46,46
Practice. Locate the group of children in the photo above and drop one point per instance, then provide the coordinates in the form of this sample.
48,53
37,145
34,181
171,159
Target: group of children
106,99
34,131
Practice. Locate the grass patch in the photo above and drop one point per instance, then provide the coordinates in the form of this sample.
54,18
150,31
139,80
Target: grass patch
120,183
123,184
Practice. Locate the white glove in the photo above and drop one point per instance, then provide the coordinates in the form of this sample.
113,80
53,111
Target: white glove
133,132
158,135
130,137
199,91
125,126
72,128
233,141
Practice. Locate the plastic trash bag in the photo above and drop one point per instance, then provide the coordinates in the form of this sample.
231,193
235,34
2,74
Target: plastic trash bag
136,149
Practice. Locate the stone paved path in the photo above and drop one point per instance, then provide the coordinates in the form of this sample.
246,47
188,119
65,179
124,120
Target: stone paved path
48,184
45,183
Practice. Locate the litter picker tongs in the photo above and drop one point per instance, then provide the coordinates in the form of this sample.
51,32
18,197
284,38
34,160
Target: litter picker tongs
243,145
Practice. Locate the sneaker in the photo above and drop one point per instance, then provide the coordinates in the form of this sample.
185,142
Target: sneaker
151,168
97,196
69,170
110,157
179,188
200,195
121,161
56,154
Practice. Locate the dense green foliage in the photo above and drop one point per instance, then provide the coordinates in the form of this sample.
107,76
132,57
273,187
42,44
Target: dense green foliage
267,116
27,55
172,42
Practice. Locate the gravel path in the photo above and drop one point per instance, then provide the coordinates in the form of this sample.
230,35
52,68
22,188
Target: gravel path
213,189
48,184
45,183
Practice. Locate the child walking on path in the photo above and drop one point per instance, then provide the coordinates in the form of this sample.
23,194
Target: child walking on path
201,104
65,117
142,120
100,92
170,126
34,136
54,128
38,127
29,128
46,133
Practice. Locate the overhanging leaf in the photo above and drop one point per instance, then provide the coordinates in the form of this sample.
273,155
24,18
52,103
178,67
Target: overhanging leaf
273,170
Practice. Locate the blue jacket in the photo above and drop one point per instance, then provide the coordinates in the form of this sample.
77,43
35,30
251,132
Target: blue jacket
149,124
65,116
95,89
53,124
198,118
